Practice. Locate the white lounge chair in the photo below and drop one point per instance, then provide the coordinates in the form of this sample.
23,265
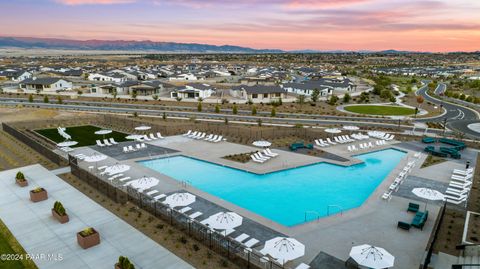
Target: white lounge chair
354,148
463,172
102,167
252,242
191,135
124,179
130,148
150,193
185,210
137,146
151,136
262,157
125,150
160,196
201,136
145,137
241,237
303,266
212,138
187,133
159,135
99,143
143,146
112,141
255,159
105,141
330,141
195,215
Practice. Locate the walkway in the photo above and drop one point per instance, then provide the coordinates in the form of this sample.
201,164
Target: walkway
38,233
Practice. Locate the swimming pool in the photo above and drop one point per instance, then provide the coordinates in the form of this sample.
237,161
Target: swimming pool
285,196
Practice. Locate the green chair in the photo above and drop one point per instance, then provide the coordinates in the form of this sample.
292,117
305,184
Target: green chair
403,225
412,207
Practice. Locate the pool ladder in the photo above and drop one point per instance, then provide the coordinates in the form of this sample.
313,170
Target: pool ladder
185,183
335,206
312,212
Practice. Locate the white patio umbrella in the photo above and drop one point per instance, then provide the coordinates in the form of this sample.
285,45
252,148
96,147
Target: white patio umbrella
103,132
95,158
144,183
283,249
428,194
224,220
372,257
143,128
262,144
351,128
134,136
180,199
67,144
116,169
333,130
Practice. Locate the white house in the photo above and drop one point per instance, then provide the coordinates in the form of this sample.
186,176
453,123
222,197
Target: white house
183,77
15,75
111,77
260,93
193,91
46,84
325,86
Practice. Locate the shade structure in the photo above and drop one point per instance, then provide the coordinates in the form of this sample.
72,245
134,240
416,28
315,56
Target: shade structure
67,144
144,183
103,132
283,249
372,257
224,220
134,137
428,194
142,128
333,130
95,158
262,143
116,168
180,199
351,128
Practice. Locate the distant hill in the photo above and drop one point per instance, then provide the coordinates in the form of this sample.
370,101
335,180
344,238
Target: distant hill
123,45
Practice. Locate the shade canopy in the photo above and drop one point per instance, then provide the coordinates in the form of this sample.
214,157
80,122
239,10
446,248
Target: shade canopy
180,199
103,132
67,144
351,127
95,158
224,220
428,194
284,249
333,130
372,257
117,168
144,183
262,143
143,128
134,137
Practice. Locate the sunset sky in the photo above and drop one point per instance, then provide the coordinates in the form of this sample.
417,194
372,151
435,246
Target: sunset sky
430,25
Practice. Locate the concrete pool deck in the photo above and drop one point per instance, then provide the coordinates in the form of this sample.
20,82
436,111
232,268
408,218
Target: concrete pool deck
39,233
373,223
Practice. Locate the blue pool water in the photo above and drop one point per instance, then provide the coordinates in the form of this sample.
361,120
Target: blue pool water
286,195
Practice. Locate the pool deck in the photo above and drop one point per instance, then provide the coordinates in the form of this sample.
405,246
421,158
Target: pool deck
375,222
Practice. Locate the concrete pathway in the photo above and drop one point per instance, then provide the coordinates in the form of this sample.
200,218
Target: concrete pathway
38,233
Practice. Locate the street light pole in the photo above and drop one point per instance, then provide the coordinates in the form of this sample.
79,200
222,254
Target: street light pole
444,126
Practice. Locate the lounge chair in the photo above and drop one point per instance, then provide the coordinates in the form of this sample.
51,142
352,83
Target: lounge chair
271,153
137,146
130,148
195,215
159,135
105,141
143,146
260,156
461,178
227,232
191,135
387,196
125,150
202,136
112,141
160,196
214,137
370,145
463,172
457,192
152,136
241,237
320,144
99,143
102,167
219,138
123,179
145,137
255,159
150,193
354,148
252,242
187,133
303,266
330,141
185,210
403,225
208,137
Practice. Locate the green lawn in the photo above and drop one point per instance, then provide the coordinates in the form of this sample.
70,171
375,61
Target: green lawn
380,110
9,245
84,135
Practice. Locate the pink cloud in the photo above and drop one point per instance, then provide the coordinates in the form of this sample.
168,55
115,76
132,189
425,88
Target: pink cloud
94,2
315,4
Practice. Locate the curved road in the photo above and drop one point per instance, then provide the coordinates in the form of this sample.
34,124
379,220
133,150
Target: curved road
457,117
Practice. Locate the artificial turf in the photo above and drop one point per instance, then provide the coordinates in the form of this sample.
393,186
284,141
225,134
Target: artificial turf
9,245
380,110
84,135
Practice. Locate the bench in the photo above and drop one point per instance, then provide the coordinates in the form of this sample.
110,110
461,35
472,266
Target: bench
420,219
412,207
428,140
403,225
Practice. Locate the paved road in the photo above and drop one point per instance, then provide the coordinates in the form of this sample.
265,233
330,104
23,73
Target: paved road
441,88
457,117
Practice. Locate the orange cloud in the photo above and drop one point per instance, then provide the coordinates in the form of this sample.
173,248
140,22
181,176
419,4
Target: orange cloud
94,2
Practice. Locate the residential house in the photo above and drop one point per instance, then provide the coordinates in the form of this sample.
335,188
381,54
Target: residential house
193,91
46,84
111,77
325,86
15,75
183,77
260,93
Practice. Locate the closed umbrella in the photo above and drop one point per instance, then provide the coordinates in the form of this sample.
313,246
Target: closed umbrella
144,183
372,257
333,130
95,158
134,137
351,128
283,249
67,144
224,221
116,169
428,194
103,132
180,199
142,128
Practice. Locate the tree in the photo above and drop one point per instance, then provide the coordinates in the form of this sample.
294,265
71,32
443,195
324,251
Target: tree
315,95
377,89
385,94
226,121
235,110
199,107
274,112
420,99
178,98
155,97
217,108
301,99
59,99
135,114
134,94
333,100
346,98
254,110
164,116
462,96
114,94
30,98
259,122
45,99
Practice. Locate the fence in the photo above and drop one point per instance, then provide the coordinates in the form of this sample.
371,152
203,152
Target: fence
229,248
433,239
45,151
